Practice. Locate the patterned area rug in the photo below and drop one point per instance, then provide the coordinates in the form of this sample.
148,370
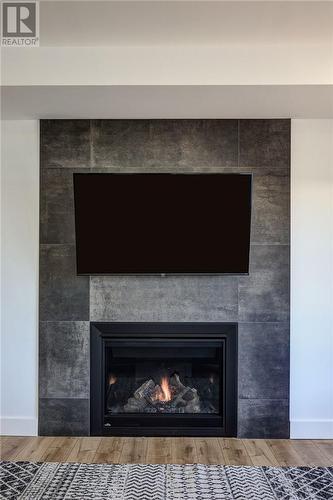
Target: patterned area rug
33,481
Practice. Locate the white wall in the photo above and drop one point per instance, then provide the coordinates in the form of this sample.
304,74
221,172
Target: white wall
19,276
312,279
175,65
166,101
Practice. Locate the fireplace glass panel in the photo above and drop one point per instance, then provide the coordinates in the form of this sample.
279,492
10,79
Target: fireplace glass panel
163,378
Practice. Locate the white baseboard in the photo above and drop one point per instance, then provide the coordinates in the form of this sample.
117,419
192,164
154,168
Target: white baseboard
299,429
18,426
311,429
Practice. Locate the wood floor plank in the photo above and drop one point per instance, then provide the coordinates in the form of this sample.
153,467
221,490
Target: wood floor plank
60,449
134,450
234,451
284,453
159,450
84,450
209,451
279,452
109,450
184,451
12,445
326,448
35,449
260,453
310,453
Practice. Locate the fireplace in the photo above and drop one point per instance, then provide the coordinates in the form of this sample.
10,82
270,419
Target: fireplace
160,379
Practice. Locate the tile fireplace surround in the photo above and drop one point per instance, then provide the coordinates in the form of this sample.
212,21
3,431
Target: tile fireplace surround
259,303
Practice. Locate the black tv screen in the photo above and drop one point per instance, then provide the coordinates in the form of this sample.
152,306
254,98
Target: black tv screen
162,223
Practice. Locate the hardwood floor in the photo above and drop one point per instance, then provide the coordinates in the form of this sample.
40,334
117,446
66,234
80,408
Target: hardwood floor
168,450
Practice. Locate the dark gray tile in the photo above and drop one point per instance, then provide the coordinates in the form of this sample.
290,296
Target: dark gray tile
57,206
64,417
263,418
120,142
143,144
64,359
263,360
169,146
271,206
209,143
64,296
65,143
151,298
264,294
264,143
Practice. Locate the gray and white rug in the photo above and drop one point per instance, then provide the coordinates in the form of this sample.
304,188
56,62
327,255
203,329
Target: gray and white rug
55,481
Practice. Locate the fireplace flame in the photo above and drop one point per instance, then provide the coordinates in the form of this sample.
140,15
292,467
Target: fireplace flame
163,392
166,389
112,379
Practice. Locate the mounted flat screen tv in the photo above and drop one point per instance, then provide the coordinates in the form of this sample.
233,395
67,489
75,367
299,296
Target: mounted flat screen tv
162,223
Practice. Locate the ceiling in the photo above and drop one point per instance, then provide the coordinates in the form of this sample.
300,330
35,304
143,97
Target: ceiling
137,23
174,59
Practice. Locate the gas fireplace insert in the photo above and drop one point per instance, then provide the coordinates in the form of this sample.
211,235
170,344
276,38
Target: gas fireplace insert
171,379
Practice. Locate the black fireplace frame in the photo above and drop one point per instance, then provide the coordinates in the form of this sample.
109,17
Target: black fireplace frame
224,424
